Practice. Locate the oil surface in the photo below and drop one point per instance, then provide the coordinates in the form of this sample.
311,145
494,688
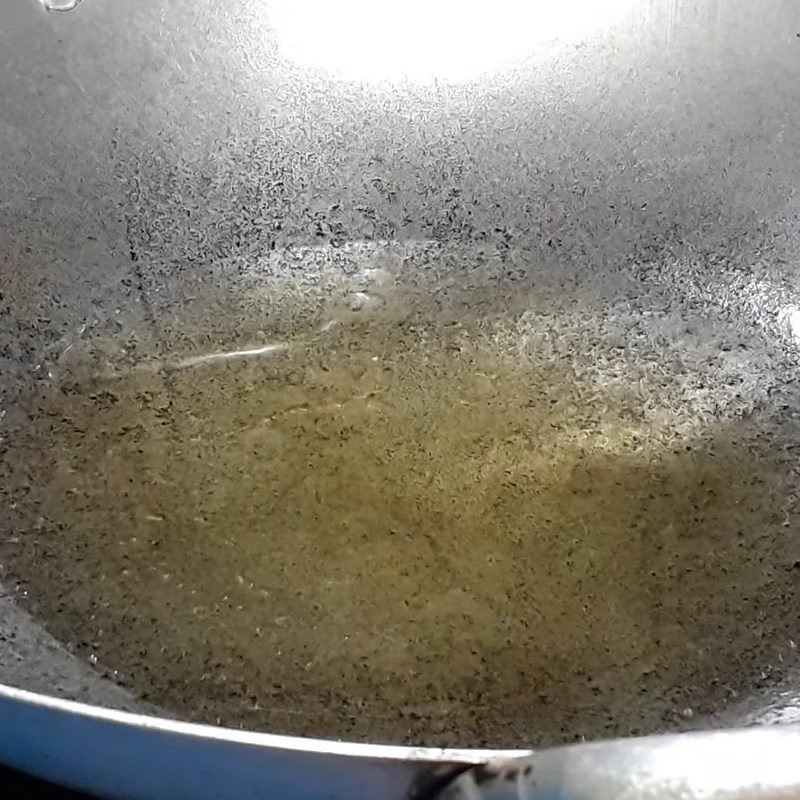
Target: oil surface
393,533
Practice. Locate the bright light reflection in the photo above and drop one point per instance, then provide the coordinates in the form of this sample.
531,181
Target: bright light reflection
792,317
721,765
420,40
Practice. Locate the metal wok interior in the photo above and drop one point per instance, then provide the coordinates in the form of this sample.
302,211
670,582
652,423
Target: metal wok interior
414,373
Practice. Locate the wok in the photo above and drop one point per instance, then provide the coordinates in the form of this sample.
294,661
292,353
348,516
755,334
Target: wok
415,376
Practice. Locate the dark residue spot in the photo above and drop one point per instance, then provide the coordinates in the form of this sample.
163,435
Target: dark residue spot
483,773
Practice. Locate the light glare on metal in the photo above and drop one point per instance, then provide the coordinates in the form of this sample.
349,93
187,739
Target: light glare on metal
421,40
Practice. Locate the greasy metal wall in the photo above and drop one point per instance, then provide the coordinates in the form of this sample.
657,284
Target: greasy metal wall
675,134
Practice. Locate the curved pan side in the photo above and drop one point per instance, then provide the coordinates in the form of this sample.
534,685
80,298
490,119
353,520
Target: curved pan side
128,756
